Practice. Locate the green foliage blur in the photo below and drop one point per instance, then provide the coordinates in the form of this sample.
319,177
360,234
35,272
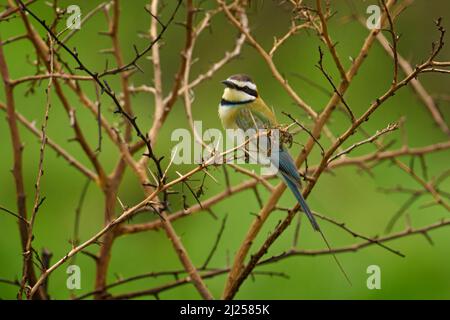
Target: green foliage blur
348,195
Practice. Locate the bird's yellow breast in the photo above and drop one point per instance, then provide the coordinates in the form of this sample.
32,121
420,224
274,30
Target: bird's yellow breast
228,114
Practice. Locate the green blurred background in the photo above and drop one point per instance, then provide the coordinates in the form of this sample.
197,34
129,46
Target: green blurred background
348,195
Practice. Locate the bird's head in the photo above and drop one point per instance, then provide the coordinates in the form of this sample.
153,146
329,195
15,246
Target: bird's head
239,89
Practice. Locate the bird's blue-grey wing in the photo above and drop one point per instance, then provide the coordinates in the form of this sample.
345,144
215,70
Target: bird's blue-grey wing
250,119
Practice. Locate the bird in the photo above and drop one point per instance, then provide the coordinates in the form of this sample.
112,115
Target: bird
242,107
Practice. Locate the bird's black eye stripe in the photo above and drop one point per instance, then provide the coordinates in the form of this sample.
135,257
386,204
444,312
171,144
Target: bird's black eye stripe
245,89
249,91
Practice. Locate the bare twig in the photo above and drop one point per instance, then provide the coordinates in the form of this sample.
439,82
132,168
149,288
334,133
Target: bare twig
216,243
379,133
17,168
139,55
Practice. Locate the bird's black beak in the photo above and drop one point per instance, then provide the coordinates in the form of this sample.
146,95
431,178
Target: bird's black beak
227,83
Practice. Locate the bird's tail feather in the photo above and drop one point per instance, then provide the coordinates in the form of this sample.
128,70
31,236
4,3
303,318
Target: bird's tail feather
295,190
293,187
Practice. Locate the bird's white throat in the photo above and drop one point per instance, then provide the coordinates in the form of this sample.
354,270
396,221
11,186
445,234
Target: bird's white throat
233,95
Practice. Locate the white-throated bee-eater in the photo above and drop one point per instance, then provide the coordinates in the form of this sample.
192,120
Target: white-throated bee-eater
241,107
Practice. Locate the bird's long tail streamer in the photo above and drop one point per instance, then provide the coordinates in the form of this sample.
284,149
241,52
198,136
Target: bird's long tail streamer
293,187
295,190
